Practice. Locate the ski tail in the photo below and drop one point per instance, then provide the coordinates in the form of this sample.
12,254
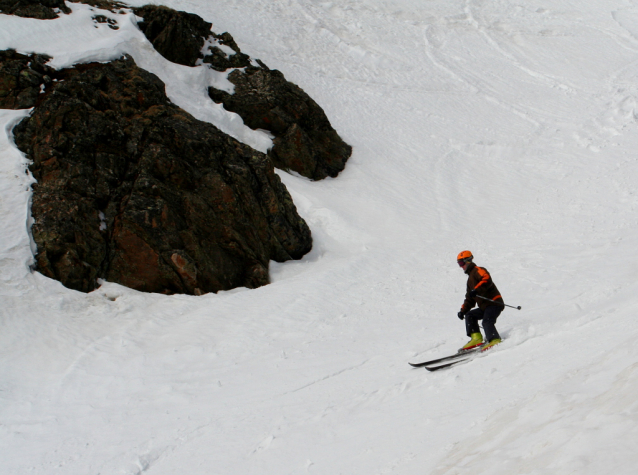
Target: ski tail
447,365
450,358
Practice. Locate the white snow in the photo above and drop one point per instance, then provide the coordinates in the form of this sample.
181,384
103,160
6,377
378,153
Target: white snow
212,42
503,127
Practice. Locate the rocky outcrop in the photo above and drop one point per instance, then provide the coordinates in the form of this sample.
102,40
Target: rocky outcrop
304,142
40,9
22,79
132,189
178,36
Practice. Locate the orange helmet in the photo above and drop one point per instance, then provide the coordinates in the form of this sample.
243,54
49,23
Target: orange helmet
464,257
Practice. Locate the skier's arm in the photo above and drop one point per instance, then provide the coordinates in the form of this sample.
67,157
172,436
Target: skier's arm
468,303
485,279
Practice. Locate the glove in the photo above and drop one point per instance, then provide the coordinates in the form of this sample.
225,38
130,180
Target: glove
473,293
461,315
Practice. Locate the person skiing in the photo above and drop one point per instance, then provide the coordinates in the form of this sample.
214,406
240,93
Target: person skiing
481,291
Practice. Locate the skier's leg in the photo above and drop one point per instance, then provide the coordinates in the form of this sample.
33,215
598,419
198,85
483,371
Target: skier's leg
471,321
489,322
472,328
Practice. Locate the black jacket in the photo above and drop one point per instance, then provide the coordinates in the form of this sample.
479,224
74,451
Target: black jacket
479,279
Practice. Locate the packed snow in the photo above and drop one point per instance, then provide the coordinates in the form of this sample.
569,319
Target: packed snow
508,128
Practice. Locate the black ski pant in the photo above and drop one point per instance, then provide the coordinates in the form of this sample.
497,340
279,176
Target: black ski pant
489,316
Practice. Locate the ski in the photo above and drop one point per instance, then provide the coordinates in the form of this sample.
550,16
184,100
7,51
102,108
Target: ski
453,363
450,358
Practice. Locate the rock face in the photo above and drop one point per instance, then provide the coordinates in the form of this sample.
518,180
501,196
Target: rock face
22,79
132,189
304,142
178,36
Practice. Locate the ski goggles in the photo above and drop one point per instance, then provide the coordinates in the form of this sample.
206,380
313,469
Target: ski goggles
461,262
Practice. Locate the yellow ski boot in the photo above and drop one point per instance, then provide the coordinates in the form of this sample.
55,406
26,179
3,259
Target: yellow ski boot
491,344
476,340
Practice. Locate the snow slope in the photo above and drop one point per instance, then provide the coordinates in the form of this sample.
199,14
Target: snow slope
503,127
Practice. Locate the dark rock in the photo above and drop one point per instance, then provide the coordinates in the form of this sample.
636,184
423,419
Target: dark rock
40,9
178,36
221,60
22,78
304,142
106,20
132,189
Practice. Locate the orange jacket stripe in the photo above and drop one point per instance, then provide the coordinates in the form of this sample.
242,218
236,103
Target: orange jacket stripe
485,277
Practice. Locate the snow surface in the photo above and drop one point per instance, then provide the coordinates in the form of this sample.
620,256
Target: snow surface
503,127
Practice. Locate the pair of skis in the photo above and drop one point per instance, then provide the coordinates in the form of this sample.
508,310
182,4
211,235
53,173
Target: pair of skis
440,363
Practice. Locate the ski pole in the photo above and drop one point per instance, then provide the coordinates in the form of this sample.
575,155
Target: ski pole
494,301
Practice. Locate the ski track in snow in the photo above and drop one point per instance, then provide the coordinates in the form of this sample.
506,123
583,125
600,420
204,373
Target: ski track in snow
503,127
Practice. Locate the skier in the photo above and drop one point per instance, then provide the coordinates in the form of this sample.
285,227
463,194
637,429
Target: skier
479,284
